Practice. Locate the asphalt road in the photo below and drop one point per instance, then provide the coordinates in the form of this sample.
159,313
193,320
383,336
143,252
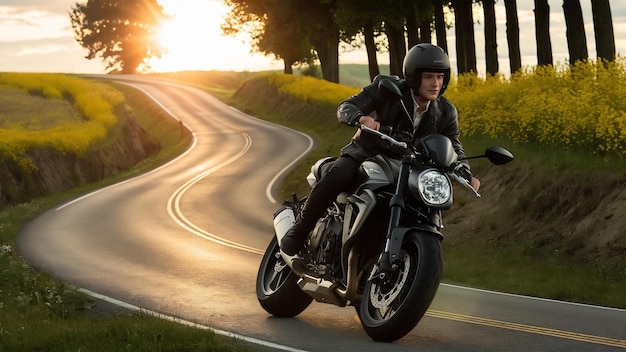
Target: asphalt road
186,240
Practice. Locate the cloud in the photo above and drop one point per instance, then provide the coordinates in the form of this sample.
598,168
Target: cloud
57,6
18,24
47,55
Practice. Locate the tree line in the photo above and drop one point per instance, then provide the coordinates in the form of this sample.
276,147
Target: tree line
298,31
307,31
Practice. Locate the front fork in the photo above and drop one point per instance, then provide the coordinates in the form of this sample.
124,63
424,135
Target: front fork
395,234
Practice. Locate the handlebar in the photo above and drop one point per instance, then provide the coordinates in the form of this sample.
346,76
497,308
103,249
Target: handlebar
455,174
384,136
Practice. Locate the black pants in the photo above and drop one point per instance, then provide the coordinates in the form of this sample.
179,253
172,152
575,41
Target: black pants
340,177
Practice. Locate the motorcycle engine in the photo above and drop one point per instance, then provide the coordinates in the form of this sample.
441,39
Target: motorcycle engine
325,246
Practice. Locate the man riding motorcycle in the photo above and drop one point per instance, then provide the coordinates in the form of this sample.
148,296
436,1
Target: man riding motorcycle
420,112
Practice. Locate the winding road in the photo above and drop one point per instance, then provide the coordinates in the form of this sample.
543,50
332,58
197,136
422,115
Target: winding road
186,239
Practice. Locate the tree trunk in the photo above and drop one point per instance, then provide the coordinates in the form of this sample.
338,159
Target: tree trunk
603,29
461,63
370,48
465,44
512,35
575,32
328,54
397,48
412,29
287,69
440,26
323,33
542,33
491,45
425,32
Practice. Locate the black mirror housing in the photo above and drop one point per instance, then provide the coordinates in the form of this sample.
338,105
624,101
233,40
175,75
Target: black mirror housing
498,155
389,90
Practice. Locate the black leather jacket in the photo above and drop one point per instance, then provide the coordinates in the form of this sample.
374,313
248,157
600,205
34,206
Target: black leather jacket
441,118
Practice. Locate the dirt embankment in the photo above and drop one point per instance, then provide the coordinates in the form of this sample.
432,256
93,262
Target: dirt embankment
57,172
550,212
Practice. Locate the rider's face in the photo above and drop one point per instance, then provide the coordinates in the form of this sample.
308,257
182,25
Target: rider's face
431,85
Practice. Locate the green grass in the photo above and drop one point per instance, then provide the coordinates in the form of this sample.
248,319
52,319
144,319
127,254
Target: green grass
516,268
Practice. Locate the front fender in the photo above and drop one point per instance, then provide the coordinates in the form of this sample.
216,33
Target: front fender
397,237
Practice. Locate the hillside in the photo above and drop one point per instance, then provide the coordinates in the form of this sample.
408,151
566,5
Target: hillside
564,218
51,144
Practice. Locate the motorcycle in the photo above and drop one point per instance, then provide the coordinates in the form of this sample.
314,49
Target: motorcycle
378,247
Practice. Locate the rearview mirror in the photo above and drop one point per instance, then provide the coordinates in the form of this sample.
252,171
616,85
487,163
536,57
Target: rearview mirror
388,89
498,155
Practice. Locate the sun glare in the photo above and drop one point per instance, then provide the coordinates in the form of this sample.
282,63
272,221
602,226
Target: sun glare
193,40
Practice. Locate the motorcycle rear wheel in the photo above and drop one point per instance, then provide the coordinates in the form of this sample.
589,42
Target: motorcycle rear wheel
391,310
276,286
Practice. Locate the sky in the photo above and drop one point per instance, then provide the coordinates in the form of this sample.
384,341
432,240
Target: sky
36,36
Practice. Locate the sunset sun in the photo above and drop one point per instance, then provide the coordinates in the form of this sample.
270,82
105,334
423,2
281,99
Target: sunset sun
192,40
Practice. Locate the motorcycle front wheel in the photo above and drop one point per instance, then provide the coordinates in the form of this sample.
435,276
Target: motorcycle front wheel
276,286
391,310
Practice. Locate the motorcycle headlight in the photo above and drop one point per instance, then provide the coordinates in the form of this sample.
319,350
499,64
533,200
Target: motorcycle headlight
434,187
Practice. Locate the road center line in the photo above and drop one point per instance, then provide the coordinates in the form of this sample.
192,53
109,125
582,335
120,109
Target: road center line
528,328
174,211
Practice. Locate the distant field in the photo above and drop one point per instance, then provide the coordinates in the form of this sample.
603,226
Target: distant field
357,75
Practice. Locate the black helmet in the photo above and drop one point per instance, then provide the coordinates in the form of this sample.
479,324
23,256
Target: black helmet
425,57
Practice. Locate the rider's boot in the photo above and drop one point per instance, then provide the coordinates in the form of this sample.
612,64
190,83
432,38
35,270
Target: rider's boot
339,177
315,206
293,241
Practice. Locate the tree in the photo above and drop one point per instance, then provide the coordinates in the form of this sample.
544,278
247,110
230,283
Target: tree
394,18
282,27
575,32
419,19
370,49
272,30
491,45
412,28
603,29
425,26
440,25
464,29
121,32
542,33
287,40
512,35
397,47
323,33
368,23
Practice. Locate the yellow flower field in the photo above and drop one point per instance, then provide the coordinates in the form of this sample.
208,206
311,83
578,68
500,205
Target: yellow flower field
61,112
581,107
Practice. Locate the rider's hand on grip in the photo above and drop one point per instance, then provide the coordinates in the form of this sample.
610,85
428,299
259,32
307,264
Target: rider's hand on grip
464,171
369,121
